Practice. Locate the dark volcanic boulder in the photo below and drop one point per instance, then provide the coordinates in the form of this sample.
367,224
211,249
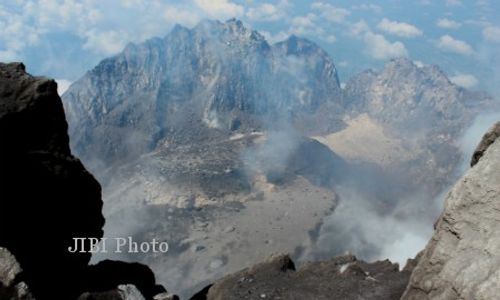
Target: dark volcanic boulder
342,277
47,198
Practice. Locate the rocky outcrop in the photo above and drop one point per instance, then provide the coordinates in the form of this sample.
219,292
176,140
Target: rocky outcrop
489,138
342,277
48,198
47,195
462,260
412,97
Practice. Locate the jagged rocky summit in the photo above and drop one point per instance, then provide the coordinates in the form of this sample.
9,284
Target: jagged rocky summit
194,85
47,199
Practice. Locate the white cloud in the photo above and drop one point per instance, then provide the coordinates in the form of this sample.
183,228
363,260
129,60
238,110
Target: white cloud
399,28
378,47
267,11
448,24
492,34
418,63
16,34
371,7
306,21
62,85
330,12
464,80
448,43
65,14
359,28
90,20
105,42
307,26
174,15
221,8
274,38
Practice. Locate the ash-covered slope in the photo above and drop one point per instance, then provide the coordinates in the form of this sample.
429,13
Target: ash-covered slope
176,89
462,260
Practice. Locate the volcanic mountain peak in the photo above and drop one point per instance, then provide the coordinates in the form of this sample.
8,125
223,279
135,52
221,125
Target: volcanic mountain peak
220,76
412,96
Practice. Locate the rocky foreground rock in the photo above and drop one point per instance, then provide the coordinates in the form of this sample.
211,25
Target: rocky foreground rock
342,277
47,199
462,260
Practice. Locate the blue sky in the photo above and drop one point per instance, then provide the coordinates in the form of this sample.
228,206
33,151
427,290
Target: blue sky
65,38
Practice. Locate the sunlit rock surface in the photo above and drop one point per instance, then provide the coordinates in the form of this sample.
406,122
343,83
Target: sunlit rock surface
462,260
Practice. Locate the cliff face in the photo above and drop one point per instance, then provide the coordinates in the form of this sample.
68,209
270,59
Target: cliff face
462,260
47,199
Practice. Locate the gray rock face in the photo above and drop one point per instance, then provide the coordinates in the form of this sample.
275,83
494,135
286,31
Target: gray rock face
11,286
215,76
420,106
414,98
342,277
462,260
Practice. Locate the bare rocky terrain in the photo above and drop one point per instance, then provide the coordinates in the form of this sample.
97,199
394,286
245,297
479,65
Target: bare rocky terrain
213,129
